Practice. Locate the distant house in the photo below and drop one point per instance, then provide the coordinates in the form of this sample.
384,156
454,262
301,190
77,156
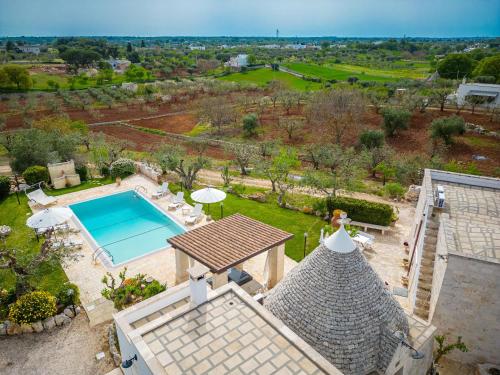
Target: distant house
238,61
119,66
29,49
130,86
197,48
271,46
296,46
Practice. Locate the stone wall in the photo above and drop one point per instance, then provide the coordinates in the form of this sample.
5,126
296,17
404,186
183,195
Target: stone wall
468,306
440,264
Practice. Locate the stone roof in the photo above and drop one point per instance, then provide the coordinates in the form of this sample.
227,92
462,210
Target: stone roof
337,303
227,242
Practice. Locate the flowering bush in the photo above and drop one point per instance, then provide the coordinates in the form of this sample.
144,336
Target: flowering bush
122,168
36,173
32,307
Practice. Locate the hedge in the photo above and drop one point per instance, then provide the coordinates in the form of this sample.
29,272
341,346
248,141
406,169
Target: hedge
4,186
365,211
35,174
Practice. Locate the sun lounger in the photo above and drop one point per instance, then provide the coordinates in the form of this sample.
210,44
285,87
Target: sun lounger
39,197
365,240
69,243
162,191
177,202
194,215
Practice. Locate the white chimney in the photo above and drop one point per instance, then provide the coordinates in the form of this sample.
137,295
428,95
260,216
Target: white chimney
198,283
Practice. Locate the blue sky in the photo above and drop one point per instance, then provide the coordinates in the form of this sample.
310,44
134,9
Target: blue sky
427,18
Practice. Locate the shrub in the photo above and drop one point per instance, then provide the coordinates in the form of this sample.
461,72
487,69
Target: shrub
4,186
32,307
35,174
104,171
68,295
371,139
250,123
394,190
395,119
122,168
446,128
82,172
365,211
152,289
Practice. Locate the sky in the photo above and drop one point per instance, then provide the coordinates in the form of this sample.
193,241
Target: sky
354,18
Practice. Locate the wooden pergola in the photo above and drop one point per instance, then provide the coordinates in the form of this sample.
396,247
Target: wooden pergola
228,243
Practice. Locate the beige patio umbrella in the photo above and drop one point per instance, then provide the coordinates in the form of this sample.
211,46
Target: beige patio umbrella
208,195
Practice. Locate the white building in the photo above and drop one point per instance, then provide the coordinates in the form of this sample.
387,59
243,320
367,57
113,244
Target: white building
454,261
296,46
118,65
237,61
490,92
196,48
29,49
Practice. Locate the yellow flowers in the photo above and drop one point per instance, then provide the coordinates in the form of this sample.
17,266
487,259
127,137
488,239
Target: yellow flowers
32,307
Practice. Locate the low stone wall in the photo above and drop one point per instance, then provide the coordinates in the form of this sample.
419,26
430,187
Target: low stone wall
10,328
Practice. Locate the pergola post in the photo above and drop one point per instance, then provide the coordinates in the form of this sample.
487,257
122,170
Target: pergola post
219,279
181,266
276,265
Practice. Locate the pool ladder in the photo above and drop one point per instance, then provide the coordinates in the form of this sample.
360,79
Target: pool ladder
140,189
99,251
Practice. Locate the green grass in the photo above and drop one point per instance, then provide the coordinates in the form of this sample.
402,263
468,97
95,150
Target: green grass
49,277
198,130
342,72
263,76
83,186
294,222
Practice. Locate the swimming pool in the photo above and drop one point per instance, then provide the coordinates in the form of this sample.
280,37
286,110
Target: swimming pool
125,225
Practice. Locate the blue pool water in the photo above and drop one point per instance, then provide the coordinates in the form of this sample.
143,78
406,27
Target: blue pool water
126,225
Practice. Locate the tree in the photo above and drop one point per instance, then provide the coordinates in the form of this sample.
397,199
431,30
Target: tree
340,170
386,169
489,66
250,124
106,150
174,158
455,66
276,87
9,46
445,128
267,148
440,95
374,156
287,98
78,58
395,119
24,267
475,100
371,139
312,153
129,47
218,112
243,155
378,98
142,43
16,75
137,73
337,110
291,125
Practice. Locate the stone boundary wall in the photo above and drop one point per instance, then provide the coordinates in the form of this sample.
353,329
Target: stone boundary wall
8,328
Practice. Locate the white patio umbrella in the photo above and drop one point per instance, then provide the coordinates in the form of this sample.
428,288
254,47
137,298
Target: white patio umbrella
208,195
49,217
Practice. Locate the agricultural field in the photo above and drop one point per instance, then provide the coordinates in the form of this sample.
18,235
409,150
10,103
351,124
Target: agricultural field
263,76
342,72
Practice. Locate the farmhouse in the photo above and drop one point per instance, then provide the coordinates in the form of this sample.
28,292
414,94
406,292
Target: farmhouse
237,62
29,49
196,48
118,65
455,260
489,92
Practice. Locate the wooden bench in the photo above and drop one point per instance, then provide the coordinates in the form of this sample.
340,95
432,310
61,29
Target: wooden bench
371,226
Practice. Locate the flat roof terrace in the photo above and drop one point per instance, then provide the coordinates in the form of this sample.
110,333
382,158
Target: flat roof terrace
472,223
229,334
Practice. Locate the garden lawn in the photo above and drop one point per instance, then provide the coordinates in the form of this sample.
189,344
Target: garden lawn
294,222
263,76
49,277
83,186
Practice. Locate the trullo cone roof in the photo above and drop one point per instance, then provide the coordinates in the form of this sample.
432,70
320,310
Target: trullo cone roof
336,302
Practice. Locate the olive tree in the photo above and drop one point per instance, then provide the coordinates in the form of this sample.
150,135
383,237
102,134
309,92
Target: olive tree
337,111
446,128
242,154
218,112
395,119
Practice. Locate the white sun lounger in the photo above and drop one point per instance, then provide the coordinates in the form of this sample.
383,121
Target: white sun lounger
194,215
39,197
75,243
365,240
177,202
162,191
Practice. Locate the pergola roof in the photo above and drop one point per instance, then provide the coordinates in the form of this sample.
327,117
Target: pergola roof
227,242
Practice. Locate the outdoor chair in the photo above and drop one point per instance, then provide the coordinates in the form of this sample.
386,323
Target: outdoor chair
195,215
364,240
177,202
39,197
162,191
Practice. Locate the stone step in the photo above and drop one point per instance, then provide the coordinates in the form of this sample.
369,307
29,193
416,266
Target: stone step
422,304
430,240
428,262
426,270
423,295
421,313
433,225
424,284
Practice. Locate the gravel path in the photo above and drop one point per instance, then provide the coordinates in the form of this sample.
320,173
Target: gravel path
64,350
